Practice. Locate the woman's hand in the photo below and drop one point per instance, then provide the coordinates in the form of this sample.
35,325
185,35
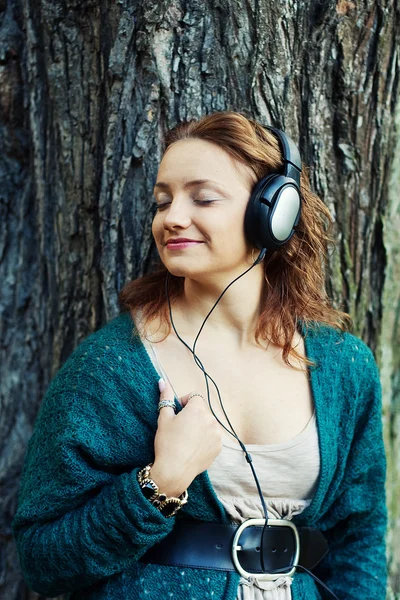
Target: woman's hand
185,444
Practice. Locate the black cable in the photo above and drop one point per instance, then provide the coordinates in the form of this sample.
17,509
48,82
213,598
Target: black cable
317,579
196,358
259,259
207,376
233,432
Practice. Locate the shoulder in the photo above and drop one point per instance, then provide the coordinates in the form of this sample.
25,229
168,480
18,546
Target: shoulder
347,364
116,332
108,374
119,334
327,342
110,354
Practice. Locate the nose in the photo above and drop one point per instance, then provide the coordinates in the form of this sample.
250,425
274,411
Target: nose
177,215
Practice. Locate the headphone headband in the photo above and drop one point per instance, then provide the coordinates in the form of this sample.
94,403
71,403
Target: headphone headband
290,154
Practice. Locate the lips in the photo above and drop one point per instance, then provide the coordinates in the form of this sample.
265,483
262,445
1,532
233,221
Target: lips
181,243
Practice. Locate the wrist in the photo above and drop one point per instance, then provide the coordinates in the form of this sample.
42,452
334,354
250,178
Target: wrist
168,505
167,481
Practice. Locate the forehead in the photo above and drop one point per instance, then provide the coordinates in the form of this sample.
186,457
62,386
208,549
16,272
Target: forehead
194,159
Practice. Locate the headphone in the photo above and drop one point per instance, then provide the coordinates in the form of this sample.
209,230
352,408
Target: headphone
274,208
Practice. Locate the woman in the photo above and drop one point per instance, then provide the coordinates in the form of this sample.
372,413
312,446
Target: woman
111,474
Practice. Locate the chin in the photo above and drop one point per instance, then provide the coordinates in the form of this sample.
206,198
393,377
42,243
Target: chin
184,272
179,268
201,270
187,269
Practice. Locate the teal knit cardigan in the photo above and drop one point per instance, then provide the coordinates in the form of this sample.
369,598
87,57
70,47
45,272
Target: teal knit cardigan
82,523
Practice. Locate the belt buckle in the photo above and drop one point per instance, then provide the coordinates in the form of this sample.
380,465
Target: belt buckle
257,522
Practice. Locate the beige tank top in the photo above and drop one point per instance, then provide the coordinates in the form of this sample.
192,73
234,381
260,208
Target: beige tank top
288,475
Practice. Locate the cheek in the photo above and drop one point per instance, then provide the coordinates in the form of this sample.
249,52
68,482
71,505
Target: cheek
233,229
156,228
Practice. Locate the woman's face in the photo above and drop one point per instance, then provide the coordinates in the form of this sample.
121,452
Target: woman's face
201,194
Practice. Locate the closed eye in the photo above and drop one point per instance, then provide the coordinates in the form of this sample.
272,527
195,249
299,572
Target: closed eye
162,205
209,201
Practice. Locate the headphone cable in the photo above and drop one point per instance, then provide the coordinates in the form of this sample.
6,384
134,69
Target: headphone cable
208,377
232,432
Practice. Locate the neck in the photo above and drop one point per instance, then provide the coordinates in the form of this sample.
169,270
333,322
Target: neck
236,315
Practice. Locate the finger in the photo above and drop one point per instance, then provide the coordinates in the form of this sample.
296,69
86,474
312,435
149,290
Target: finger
166,413
166,393
192,397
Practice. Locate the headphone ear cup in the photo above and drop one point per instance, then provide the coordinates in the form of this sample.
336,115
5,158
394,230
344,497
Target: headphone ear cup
272,212
252,216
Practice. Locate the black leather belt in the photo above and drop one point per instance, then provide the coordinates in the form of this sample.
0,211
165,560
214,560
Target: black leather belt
251,549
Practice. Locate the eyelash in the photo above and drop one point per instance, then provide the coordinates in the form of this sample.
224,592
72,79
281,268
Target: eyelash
158,207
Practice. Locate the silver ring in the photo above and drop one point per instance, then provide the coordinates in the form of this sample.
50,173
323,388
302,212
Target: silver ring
164,403
196,394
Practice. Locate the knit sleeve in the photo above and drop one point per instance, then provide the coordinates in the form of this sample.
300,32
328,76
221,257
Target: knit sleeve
355,567
81,516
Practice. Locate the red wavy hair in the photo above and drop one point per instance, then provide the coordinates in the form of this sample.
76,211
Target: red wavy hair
294,288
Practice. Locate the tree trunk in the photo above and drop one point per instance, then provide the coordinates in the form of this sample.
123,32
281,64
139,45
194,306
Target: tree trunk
87,90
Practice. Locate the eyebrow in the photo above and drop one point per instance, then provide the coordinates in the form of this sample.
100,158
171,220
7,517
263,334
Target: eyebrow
189,184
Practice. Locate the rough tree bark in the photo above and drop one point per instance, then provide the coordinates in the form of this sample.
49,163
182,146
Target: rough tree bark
87,90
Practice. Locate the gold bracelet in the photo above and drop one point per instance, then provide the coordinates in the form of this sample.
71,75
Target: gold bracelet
167,506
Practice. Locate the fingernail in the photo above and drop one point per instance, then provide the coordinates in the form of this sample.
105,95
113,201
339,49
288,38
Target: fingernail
161,384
